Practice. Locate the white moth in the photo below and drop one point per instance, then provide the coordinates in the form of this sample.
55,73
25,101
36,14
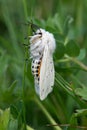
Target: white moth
42,46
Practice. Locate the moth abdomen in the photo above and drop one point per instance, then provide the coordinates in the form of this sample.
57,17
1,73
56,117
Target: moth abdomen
36,64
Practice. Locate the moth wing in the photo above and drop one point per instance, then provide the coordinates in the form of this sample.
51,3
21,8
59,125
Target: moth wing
46,73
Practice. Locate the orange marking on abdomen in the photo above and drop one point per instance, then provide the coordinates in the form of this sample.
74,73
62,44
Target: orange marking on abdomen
39,68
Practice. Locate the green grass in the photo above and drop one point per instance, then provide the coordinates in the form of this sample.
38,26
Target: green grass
65,107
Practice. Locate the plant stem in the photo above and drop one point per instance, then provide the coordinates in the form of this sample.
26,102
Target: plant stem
29,128
78,81
23,94
64,84
25,9
69,90
23,91
47,114
62,60
84,67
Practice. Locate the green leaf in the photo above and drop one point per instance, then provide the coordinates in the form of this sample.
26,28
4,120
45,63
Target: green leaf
4,119
73,122
82,92
60,50
59,37
14,111
81,112
58,23
67,24
82,54
72,49
29,128
17,110
50,29
49,22
13,124
13,86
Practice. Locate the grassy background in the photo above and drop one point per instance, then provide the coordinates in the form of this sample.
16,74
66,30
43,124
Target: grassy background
67,20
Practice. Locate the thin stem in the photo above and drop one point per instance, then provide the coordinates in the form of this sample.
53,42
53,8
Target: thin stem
78,81
66,40
47,114
64,84
68,89
29,128
84,67
79,15
69,125
25,8
23,94
62,60
23,91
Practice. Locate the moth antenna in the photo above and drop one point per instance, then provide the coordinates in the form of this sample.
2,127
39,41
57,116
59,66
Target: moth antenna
33,26
22,23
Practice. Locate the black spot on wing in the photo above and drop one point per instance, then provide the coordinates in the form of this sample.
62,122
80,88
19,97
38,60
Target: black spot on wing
51,70
42,90
40,53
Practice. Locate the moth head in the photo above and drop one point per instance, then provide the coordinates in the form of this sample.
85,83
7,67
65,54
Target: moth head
38,32
37,35
36,29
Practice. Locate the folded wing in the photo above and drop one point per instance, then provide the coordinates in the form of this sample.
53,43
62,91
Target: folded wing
46,73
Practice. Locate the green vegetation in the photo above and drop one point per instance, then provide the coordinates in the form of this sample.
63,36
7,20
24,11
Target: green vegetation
66,107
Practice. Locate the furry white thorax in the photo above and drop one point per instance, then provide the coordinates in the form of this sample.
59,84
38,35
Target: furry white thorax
38,42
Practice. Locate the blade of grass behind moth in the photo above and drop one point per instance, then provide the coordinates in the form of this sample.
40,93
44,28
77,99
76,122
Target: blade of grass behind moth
64,84
77,81
11,28
52,121
23,90
25,8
